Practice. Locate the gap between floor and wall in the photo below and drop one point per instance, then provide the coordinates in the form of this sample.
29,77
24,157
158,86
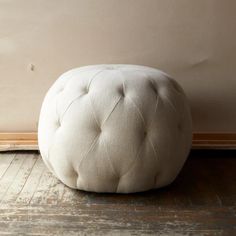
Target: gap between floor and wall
28,141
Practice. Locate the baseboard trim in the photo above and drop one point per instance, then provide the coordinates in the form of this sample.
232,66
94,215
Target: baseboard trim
214,141
28,141
18,141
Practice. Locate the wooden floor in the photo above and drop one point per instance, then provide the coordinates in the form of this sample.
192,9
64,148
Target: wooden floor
202,201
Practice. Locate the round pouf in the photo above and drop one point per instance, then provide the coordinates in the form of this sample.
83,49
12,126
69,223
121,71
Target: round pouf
115,128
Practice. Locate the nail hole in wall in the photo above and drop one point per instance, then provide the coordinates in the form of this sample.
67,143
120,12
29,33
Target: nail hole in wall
31,67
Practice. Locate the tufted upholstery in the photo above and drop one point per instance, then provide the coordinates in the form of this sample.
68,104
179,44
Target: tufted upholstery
115,128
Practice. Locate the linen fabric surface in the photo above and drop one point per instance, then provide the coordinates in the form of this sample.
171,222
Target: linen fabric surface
115,128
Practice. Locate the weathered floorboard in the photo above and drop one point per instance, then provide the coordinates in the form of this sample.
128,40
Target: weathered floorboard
201,201
20,179
10,174
32,182
5,160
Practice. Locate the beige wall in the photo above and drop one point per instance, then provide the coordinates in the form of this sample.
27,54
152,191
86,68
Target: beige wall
194,41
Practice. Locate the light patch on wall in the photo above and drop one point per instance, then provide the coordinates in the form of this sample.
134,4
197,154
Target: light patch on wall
200,62
7,46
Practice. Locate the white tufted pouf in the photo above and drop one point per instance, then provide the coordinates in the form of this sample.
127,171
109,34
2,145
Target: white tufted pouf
115,128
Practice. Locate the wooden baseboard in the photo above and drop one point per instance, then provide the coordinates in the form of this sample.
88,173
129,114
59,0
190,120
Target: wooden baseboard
18,141
214,141
28,141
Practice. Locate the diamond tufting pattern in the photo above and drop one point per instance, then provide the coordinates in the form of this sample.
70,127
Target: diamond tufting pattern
115,128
